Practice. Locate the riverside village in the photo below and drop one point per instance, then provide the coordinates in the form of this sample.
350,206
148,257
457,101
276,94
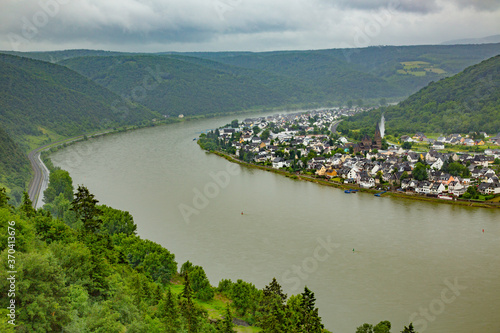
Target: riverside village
307,144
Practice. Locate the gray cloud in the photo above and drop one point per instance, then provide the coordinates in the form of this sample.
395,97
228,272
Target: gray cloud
138,25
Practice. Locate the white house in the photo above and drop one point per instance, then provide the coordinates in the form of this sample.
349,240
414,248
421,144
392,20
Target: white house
438,164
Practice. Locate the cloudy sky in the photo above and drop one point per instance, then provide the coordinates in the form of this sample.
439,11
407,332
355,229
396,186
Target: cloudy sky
252,25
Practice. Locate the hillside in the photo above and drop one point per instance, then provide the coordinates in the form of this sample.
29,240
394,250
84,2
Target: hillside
217,82
403,69
468,101
335,78
14,164
179,85
42,99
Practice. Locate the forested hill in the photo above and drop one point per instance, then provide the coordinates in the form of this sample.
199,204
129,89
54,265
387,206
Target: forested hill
14,164
468,101
180,85
218,82
405,69
38,97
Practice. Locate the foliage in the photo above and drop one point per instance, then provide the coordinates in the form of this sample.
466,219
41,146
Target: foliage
420,172
466,102
116,221
60,182
406,145
85,206
40,97
14,164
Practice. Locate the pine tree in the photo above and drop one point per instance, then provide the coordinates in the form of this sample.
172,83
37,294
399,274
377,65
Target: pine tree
409,329
85,207
310,321
189,310
4,199
274,288
227,324
27,206
273,308
168,313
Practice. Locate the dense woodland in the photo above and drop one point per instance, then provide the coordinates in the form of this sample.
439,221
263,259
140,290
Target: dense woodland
14,165
82,268
36,97
466,102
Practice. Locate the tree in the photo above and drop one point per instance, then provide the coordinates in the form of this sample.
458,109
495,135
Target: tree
168,312
382,327
471,193
185,268
227,324
27,206
420,172
60,182
265,134
365,328
406,145
188,308
234,123
4,199
85,207
116,221
200,284
409,329
310,321
41,292
273,309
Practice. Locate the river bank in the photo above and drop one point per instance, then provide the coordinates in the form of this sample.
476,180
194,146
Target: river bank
395,194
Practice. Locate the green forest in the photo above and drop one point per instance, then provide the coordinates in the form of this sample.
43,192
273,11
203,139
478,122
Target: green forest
14,165
466,102
39,96
78,266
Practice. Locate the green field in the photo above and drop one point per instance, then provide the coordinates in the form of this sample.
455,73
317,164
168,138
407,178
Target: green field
215,307
418,68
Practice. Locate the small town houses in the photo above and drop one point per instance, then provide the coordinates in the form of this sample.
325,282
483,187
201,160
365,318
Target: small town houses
299,142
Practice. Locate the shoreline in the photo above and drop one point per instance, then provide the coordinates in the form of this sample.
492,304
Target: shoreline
325,182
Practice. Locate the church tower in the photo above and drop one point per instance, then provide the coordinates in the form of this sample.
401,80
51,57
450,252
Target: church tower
377,140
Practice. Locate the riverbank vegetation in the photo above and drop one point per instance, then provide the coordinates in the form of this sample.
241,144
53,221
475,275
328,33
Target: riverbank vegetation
82,268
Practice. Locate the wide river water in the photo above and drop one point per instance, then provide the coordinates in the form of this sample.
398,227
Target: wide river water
366,258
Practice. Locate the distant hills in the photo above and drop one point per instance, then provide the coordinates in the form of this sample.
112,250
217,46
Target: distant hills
484,40
468,101
284,78
38,97
49,95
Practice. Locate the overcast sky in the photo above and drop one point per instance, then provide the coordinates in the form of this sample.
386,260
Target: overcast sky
239,25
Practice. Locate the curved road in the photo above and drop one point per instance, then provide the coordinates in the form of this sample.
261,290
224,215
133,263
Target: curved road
40,179
40,176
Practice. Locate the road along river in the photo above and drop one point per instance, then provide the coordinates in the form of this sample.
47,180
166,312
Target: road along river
367,259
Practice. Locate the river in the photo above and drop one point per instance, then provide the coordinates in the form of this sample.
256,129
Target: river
367,259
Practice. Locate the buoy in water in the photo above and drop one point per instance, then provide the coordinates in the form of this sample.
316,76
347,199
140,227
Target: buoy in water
241,213
483,230
352,250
